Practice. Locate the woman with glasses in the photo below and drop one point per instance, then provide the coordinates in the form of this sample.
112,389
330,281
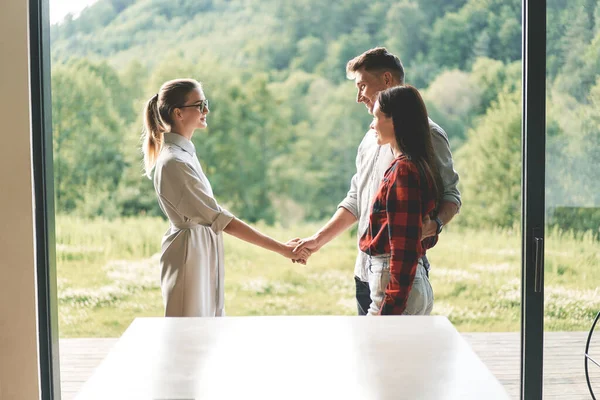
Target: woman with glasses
192,268
409,192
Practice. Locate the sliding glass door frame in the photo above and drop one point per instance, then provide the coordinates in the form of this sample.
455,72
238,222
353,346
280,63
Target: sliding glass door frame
43,181
533,197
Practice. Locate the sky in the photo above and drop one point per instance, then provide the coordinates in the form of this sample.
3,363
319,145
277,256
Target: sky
60,8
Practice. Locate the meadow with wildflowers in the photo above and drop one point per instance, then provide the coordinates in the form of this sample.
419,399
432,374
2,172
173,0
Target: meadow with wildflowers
108,274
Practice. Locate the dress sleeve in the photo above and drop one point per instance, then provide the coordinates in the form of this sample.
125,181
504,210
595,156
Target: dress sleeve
403,208
181,186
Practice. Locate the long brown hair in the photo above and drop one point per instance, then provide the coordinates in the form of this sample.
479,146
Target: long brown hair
411,128
157,117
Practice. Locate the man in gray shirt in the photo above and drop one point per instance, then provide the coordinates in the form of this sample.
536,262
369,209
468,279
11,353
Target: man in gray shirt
373,71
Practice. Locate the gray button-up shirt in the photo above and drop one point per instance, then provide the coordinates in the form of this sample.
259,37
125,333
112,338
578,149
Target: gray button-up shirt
371,163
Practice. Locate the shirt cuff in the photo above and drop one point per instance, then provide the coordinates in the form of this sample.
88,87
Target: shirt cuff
452,199
350,205
222,220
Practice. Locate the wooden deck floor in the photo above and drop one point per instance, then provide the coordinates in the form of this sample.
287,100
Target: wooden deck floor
563,357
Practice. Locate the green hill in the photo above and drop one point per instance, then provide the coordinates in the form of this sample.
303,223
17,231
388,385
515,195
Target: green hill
284,126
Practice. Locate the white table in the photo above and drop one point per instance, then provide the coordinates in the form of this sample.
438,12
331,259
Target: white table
292,358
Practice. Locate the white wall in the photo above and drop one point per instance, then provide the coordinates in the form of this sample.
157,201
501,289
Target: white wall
18,323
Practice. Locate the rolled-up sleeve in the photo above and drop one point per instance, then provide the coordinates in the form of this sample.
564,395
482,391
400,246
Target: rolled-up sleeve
191,197
197,205
443,157
350,202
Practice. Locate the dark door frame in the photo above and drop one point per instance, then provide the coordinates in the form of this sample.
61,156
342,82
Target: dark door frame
533,197
43,181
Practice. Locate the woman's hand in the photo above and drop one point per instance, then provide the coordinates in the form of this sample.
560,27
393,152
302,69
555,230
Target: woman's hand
245,232
298,257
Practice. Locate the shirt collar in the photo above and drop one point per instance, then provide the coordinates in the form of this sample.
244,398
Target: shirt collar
180,141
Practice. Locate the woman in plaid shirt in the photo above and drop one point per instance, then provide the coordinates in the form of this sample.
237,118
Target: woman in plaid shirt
410,190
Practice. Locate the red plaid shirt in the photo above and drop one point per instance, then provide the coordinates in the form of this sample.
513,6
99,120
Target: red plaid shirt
395,225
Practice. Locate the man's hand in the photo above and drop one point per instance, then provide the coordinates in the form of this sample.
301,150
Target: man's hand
299,257
311,243
429,228
446,212
294,243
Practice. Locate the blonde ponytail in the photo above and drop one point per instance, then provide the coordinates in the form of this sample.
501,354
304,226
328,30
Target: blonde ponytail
158,118
153,134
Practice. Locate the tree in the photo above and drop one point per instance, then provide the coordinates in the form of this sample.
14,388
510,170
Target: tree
87,132
435,9
455,93
339,52
509,36
405,30
490,166
452,99
578,74
451,42
316,172
311,51
573,150
492,77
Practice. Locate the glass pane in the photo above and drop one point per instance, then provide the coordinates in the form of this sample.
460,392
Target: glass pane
284,128
572,250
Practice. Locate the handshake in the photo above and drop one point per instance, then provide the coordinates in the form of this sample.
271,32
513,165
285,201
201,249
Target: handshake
299,250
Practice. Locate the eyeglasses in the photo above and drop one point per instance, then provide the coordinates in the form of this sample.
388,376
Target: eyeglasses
203,105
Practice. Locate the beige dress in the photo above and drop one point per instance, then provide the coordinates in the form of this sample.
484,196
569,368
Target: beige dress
192,270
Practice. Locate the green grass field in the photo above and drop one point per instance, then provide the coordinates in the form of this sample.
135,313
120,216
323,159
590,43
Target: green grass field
108,274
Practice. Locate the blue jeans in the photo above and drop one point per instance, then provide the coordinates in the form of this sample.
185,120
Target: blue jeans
363,292
363,296
420,297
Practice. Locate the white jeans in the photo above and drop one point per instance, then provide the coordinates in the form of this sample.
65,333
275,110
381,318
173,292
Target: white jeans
420,298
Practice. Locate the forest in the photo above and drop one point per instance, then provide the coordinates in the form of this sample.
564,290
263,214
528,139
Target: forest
284,124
